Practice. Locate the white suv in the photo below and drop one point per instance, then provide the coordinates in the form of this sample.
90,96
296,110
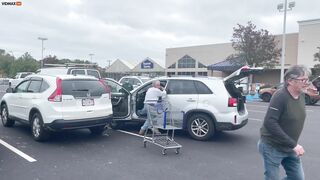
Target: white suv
210,104
54,103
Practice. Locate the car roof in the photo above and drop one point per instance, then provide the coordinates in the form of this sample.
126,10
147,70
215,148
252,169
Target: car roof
187,78
63,77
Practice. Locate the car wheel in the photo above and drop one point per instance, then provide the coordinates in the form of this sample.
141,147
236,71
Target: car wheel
38,131
200,127
6,121
266,97
97,130
307,99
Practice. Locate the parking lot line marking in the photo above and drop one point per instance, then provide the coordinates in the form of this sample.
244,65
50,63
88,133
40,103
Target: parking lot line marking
255,105
255,119
257,111
17,151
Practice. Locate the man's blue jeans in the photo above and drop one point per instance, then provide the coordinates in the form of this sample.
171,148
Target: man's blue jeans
273,159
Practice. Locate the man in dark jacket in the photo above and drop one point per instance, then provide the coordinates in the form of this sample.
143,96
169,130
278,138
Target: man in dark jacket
283,125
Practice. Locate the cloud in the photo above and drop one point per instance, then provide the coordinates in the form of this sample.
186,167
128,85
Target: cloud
133,30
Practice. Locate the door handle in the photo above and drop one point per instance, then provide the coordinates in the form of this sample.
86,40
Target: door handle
191,100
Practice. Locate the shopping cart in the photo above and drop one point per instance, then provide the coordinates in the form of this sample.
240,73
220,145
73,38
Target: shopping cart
162,116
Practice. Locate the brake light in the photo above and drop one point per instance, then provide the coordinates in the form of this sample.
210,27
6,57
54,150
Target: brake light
56,96
232,102
104,85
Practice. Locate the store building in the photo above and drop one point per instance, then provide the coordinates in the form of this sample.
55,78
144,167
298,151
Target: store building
147,67
194,60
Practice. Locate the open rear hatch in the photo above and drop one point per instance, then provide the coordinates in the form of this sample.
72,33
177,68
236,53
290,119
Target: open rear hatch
230,82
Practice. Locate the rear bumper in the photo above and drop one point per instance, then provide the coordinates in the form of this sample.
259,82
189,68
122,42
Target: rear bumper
223,126
61,124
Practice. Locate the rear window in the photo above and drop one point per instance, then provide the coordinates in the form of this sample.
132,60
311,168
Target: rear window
93,73
83,88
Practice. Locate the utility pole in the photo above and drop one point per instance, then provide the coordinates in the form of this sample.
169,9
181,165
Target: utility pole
42,49
109,62
91,57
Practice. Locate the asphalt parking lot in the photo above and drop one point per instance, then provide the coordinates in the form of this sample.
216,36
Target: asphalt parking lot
121,155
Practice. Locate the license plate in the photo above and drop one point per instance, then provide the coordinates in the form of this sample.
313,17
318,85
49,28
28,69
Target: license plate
87,102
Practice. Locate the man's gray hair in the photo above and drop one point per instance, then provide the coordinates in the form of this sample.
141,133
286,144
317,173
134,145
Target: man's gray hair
154,83
296,71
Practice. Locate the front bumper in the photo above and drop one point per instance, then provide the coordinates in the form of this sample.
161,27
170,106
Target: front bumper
223,126
61,124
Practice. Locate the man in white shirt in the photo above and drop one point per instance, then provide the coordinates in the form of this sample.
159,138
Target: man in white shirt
152,94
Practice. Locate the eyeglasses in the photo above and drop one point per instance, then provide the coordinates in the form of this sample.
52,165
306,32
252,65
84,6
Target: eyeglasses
304,80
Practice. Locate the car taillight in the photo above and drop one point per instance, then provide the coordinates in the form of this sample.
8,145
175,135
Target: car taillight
56,96
232,102
105,86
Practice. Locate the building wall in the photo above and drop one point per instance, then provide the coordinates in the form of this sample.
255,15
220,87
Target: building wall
309,40
214,53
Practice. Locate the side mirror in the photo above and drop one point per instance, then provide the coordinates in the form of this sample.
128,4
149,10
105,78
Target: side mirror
138,84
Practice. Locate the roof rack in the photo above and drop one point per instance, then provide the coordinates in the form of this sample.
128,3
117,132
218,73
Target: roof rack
71,65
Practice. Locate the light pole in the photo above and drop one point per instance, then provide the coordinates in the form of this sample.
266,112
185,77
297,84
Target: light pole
284,8
42,48
91,57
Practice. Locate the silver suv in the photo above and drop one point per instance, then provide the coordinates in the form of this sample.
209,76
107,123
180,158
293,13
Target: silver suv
210,104
70,70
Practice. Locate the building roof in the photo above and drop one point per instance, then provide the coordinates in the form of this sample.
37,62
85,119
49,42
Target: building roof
231,64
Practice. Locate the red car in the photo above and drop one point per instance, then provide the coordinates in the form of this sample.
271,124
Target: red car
312,95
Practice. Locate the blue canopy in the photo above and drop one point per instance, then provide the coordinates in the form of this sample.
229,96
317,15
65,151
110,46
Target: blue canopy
230,65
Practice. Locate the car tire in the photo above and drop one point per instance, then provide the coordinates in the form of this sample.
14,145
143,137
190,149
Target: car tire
307,99
200,127
37,129
98,130
266,97
6,121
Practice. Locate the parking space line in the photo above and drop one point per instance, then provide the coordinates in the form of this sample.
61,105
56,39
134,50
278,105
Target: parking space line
255,119
17,151
257,111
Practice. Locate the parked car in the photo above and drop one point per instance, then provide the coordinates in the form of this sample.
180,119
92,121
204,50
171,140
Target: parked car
210,104
18,78
311,96
55,103
135,81
70,70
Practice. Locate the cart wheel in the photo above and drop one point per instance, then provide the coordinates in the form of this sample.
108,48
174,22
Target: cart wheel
177,150
164,151
144,144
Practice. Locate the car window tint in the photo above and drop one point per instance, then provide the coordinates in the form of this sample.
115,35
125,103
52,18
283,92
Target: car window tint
123,80
114,87
202,88
83,88
44,86
93,73
22,87
34,86
78,71
23,75
135,81
181,87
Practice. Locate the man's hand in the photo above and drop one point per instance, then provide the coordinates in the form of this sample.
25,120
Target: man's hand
299,150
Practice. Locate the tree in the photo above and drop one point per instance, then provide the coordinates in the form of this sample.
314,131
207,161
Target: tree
25,63
6,61
258,47
316,67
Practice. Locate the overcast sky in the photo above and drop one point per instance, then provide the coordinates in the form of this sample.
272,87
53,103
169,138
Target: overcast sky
135,29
